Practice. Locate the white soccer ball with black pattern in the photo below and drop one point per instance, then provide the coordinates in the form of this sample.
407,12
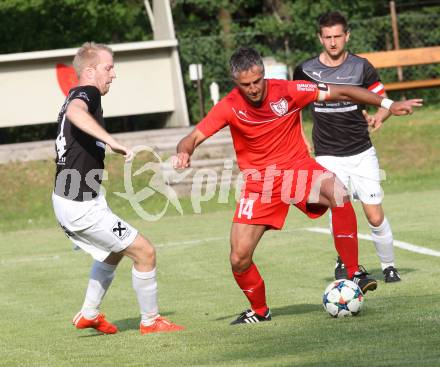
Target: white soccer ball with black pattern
343,298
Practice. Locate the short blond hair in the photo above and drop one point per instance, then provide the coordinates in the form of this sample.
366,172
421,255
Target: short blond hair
87,55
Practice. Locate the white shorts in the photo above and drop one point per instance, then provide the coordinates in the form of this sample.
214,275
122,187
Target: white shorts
92,226
359,173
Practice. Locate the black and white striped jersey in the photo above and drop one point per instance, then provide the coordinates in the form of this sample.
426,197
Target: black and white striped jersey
79,156
339,128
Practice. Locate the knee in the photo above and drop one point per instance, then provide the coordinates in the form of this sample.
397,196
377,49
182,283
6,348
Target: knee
145,251
376,220
333,193
148,251
240,261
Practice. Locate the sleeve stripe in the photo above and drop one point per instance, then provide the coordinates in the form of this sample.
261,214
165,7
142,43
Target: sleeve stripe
377,88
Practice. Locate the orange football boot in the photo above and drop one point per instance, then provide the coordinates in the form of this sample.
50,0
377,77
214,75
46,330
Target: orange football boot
99,323
160,325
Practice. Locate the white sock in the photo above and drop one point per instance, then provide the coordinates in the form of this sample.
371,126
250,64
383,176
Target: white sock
145,286
101,276
383,240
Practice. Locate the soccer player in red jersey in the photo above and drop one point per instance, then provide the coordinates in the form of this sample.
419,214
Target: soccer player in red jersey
264,118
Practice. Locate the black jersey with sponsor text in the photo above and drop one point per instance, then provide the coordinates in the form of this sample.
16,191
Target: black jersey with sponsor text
79,156
339,128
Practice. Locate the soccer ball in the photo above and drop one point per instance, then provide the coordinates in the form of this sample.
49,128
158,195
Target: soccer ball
343,298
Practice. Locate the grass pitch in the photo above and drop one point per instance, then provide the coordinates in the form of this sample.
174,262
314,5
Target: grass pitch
42,281
43,284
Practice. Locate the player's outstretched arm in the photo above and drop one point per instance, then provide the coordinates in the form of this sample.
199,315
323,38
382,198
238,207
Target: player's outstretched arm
364,96
185,148
78,113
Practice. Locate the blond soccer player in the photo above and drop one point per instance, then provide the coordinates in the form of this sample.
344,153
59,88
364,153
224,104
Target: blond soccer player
80,207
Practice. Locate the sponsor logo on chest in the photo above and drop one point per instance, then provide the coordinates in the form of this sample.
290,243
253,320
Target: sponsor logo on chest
280,108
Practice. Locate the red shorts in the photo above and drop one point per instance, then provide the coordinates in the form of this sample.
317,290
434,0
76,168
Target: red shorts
267,200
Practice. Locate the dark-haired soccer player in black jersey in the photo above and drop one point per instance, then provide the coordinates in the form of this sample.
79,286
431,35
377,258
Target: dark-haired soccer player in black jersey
80,207
340,132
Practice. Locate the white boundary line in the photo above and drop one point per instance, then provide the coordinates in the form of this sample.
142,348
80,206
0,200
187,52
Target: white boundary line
400,244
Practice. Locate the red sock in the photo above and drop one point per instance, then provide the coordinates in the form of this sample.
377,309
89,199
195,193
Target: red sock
252,285
345,236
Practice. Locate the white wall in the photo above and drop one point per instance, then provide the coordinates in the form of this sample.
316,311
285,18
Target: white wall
30,92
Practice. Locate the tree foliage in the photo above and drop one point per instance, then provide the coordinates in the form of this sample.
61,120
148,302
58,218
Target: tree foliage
287,31
28,25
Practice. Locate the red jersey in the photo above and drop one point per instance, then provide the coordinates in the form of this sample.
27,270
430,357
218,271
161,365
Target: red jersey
269,134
